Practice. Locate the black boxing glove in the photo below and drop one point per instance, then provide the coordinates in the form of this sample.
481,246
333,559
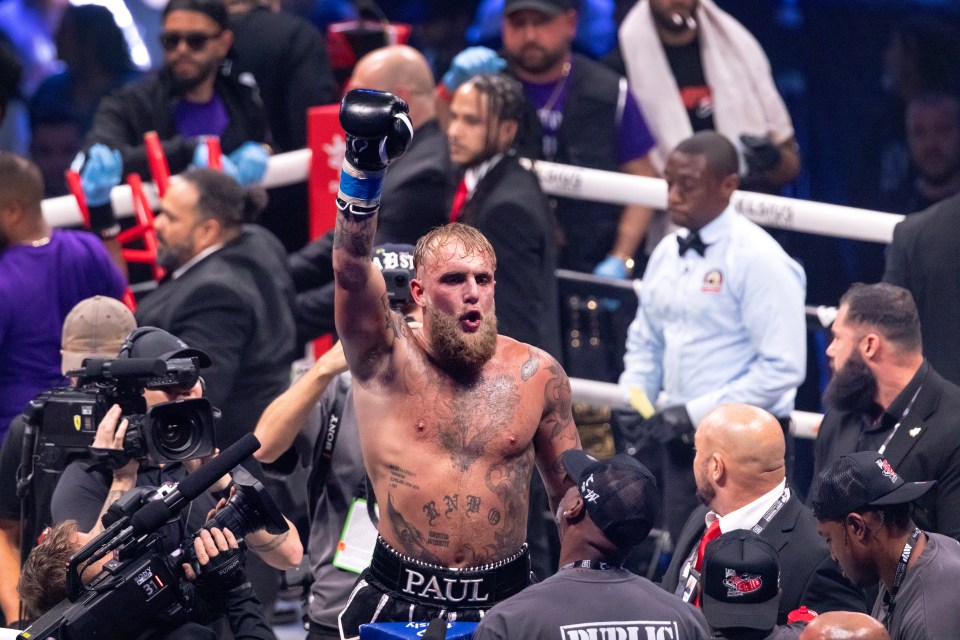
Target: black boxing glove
377,126
378,131
760,154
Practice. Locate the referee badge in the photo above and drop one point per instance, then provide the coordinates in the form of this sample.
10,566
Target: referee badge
712,281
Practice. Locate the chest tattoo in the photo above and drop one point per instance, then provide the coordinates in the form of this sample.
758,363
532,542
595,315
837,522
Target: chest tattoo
476,416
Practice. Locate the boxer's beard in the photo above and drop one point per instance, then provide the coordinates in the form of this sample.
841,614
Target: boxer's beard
459,352
852,387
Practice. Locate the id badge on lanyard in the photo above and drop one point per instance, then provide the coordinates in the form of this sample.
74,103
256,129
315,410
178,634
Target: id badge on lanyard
357,540
689,576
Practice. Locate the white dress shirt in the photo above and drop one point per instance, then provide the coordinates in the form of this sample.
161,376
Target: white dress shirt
747,516
725,327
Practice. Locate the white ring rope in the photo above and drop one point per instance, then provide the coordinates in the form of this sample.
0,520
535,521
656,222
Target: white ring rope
586,184
770,211
804,423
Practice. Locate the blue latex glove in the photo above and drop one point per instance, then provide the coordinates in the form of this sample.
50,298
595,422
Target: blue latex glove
100,171
201,160
251,161
611,267
470,62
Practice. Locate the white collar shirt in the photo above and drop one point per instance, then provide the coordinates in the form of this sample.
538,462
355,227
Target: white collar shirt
725,327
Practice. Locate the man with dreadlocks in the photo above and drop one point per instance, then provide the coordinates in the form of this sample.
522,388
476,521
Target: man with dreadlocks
452,417
504,201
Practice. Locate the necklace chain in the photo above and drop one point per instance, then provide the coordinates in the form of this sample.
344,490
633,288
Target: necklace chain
557,88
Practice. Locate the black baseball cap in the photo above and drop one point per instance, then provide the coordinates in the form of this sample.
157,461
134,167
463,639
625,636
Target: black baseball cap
394,256
862,479
216,10
151,342
549,7
620,494
740,582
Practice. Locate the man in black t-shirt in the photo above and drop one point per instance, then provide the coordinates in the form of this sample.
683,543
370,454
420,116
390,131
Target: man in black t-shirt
693,67
610,509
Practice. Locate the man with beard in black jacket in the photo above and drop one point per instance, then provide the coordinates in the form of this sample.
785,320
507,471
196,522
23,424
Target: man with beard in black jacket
885,397
227,293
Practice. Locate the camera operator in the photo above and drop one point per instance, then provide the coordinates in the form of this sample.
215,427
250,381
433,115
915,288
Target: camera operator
87,488
94,328
314,424
221,587
43,581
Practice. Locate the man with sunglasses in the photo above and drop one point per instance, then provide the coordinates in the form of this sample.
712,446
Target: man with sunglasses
196,93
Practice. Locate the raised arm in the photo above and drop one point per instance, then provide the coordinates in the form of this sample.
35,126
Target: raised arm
557,431
378,130
288,413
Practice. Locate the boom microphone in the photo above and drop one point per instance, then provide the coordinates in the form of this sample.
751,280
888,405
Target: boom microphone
200,480
149,517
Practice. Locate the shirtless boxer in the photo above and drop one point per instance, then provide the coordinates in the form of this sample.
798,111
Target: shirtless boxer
452,416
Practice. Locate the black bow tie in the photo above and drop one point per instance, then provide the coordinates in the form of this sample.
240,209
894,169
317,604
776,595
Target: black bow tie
692,241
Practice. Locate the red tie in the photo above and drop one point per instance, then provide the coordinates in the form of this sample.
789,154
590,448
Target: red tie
459,198
712,532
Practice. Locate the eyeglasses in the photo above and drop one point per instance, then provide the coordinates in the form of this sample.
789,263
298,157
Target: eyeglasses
196,40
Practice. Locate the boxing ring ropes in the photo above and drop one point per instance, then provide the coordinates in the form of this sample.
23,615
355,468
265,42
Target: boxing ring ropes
320,170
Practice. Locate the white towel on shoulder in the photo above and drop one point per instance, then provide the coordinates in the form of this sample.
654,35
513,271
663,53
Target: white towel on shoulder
745,99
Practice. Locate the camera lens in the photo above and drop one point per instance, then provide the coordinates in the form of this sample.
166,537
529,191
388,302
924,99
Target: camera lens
176,437
400,281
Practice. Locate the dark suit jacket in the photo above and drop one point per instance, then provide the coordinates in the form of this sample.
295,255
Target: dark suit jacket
417,193
925,447
923,259
237,305
509,208
808,575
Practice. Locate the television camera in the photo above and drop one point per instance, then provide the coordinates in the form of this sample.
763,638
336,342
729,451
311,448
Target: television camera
141,578
63,421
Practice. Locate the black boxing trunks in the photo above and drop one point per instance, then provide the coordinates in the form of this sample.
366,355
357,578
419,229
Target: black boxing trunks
397,588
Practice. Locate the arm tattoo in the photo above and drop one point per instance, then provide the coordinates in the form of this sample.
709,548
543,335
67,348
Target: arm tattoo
409,536
112,497
271,544
354,236
558,401
395,323
529,368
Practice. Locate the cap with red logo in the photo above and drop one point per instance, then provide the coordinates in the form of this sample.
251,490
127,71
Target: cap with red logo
862,479
740,582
